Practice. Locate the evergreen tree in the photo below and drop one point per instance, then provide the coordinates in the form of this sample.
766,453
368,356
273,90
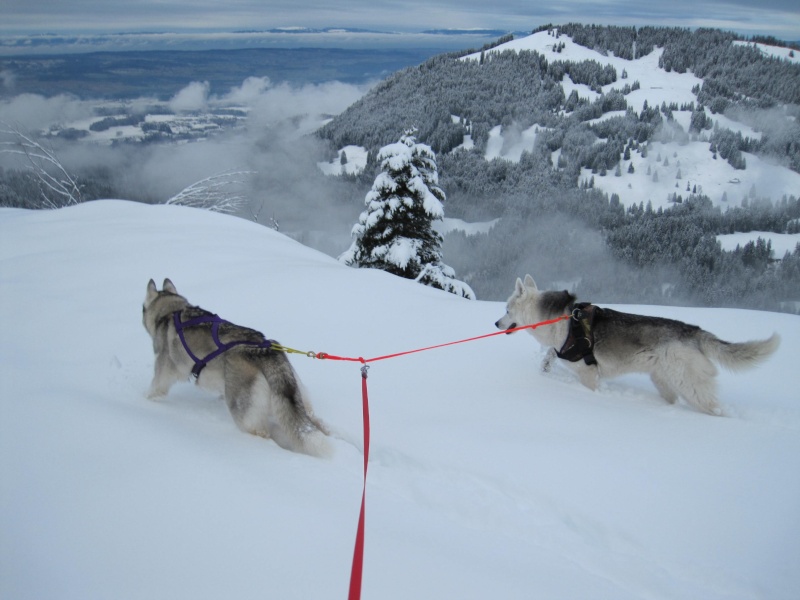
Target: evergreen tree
395,233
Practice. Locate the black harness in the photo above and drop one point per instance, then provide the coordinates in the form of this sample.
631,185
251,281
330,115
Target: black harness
580,339
216,321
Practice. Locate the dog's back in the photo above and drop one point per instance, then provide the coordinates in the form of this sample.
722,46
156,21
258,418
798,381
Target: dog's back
678,357
639,333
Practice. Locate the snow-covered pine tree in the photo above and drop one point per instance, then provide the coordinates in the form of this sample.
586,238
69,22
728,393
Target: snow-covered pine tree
395,233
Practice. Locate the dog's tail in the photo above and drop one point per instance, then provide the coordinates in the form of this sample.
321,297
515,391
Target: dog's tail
736,356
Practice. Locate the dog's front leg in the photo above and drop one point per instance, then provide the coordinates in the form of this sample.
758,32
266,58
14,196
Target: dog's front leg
165,375
547,361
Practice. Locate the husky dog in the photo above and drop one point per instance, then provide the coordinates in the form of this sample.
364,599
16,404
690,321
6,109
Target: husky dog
677,356
259,385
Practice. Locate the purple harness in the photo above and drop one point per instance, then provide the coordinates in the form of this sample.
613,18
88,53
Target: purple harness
200,363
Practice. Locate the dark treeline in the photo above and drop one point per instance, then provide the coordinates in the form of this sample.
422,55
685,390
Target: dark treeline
589,243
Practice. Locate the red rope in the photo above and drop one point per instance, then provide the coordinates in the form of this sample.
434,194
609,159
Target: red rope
357,568
358,551
325,355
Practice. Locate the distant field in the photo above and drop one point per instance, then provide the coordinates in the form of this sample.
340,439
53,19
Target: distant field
160,74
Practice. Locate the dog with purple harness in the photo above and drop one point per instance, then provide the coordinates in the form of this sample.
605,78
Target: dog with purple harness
257,381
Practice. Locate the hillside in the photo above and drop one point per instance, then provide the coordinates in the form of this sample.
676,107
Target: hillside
609,159
595,127
487,478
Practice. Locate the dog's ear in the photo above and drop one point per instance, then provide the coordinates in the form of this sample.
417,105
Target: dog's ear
519,289
152,291
169,287
529,282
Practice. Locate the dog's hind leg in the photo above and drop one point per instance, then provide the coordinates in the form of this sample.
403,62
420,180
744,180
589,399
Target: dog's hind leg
664,389
698,384
589,375
246,395
703,397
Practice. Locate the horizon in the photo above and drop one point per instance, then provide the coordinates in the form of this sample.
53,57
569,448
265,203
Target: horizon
434,41
31,18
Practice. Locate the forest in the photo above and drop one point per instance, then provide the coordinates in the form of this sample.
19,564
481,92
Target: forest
578,237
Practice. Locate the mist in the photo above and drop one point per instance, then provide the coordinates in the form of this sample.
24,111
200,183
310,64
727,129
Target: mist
270,155
560,252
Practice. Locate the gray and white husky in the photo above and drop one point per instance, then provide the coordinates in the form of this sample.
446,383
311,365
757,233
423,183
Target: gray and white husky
260,387
677,356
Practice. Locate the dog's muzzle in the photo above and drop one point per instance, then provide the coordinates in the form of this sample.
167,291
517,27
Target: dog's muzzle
508,329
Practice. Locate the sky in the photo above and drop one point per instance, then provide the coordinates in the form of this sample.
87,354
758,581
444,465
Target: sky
780,18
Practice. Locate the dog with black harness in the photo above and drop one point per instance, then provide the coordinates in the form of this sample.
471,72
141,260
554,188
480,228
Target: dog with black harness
600,343
256,379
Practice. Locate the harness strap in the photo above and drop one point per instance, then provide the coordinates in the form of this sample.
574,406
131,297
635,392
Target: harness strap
216,321
580,339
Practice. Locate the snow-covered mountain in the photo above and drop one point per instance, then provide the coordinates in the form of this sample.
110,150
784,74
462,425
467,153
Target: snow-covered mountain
672,167
679,166
487,478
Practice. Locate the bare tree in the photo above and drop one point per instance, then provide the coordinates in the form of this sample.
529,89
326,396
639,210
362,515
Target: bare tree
216,193
57,186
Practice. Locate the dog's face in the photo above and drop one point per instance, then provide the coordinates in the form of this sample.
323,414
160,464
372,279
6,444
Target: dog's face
521,305
527,305
149,312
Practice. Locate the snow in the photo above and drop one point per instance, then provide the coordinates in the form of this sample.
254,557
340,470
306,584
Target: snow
698,168
715,177
781,242
448,224
509,143
788,54
657,85
356,162
400,252
487,478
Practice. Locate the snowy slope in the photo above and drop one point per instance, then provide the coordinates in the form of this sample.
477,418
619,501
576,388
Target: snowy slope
781,242
487,479
690,163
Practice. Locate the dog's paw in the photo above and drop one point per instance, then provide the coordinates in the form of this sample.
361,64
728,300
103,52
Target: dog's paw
547,361
155,394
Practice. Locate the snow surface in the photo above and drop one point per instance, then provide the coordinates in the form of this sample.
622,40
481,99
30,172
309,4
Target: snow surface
356,162
781,242
793,56
487,478
448,224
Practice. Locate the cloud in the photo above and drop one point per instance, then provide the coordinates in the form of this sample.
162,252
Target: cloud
273,151
7,79
191,98
248,92
284,102
31,112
